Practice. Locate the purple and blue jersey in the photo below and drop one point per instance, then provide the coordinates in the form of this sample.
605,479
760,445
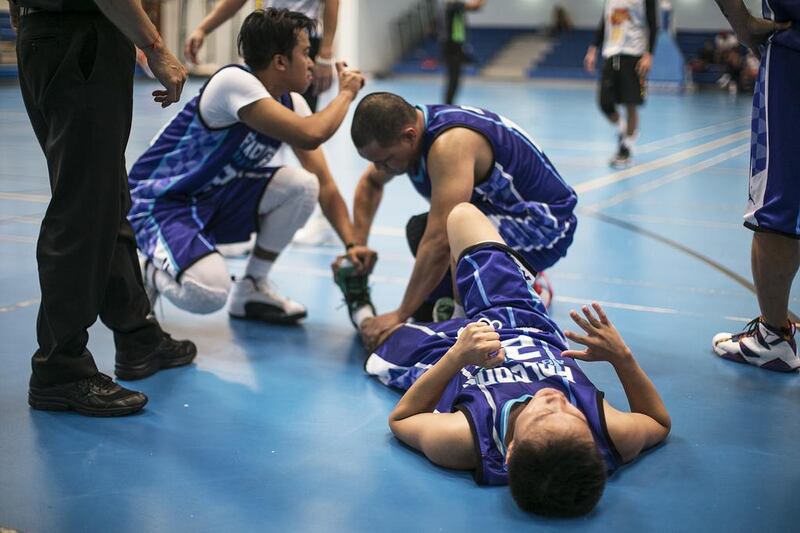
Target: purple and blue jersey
784,11
197,185
524,196
496,287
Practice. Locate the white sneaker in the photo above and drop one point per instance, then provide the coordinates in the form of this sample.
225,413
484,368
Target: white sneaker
258,300
317,231
759,345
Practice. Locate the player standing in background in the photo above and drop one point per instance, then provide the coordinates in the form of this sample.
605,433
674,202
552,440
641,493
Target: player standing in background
627,35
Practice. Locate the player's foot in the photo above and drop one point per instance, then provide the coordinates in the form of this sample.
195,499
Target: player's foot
443,309
543,288
355,289
94,396
258,300
622,159
760,345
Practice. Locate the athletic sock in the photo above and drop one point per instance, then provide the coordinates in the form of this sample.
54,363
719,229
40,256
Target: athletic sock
458,311
361,314
628,141
621,125
258,268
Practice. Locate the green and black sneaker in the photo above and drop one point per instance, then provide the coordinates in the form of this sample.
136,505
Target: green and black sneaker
355,288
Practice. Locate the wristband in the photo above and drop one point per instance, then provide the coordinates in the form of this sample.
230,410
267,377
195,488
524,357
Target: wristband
349,245
324,61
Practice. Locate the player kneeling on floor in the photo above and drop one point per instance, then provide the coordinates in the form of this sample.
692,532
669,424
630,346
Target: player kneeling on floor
206,178
499,392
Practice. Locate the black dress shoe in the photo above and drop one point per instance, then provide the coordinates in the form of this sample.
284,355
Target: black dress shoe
94,396
168,354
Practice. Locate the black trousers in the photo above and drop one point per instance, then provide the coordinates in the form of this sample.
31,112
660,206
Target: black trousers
76,78
453,55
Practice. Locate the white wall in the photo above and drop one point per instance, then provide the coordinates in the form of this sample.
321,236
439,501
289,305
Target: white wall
689,14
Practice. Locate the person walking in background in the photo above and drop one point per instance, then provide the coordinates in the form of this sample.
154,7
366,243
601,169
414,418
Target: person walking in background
627,36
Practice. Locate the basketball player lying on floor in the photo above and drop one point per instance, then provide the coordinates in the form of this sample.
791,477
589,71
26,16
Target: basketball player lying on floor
500,393
206,178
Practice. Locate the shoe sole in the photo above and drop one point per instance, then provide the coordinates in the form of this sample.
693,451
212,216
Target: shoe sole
775,365
150,367
257,313
48,403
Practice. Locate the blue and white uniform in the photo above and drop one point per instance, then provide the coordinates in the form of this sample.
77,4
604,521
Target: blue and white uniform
524,196
773,203
496,288
202,178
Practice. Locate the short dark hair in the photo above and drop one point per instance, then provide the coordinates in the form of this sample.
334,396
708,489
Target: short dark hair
381,117
556,476
266,33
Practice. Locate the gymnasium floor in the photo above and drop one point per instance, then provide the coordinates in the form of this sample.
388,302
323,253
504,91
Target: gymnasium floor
278,428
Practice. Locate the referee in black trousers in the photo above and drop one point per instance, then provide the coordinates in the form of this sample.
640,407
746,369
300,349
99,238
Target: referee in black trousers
76,63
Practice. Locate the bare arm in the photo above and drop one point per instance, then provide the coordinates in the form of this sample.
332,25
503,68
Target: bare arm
751,31
222,11
474,5
369,192
451,166
330,20
330,200
130,18
445,438
648,423
269,117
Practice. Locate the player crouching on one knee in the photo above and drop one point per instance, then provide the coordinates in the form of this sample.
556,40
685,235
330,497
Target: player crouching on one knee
206,178
500,393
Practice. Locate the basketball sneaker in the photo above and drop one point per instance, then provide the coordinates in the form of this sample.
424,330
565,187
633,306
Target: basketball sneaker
258,300
622,159
760,345
354,287
543,288
443,309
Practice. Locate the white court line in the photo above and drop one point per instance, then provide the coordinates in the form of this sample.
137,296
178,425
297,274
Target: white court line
669,178
616,177
36,198
690,135
17,238
19,305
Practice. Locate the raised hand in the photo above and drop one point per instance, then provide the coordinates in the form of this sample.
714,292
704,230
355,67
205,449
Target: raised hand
602,340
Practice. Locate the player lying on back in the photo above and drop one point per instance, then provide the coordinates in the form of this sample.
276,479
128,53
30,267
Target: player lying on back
501,394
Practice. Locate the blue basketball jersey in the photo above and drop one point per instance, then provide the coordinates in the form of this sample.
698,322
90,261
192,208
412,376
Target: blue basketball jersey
783,11
524,195
496,288
188,158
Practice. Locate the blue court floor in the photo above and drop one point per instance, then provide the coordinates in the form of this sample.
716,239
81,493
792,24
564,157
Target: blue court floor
278,428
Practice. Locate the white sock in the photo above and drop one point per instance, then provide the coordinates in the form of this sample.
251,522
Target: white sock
361,314
458,311
258,268
622,126
628,141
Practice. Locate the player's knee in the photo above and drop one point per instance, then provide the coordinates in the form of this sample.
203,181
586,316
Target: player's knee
460,216
303,186
606,106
